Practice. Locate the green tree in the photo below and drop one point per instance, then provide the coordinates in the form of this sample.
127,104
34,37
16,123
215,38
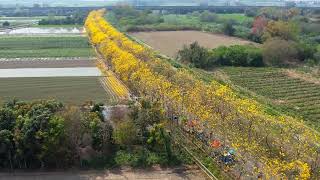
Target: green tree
6,148
7,119
6,24
207,16
228,28
126,133
279,52
306,51
31,133
281,29
146,116
160,140
237,55
194,54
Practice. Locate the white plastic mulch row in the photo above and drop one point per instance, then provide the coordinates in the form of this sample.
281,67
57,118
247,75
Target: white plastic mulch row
50,72
35,30
30,59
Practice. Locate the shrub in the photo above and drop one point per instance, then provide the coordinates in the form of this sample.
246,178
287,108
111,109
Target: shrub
140,157
238,55
228,28
251,13
5,24
242,32
194,54
207,16
305,51
125,133
281,29
149,19
279,52
123,158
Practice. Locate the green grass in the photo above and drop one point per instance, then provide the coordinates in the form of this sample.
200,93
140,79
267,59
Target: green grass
71,90
182,22
174,19
19,47
293,95
236,17
12,42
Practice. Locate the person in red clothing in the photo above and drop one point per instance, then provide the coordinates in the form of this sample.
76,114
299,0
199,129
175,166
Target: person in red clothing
215,143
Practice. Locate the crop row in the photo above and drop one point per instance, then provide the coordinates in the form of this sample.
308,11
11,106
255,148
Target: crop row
298,95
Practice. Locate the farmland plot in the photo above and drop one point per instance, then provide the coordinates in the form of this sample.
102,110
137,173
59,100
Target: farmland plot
170,42
46,63
72,90
42,46
293,94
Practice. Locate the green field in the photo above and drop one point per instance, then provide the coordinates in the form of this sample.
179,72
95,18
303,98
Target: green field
72,90
19,47
174,22
293,95
236,17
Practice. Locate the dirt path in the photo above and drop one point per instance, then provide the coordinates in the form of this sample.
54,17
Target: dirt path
166,174
41,63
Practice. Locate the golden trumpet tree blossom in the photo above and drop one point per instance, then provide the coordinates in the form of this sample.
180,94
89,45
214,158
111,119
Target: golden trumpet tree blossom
277,146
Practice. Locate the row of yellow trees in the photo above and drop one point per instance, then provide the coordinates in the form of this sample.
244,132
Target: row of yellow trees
276,146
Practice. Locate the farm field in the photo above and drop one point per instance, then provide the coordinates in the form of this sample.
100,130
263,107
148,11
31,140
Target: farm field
170,42
57,52
238,17
21,47
189,20
45,63
43,30
50,72
292,94
72,90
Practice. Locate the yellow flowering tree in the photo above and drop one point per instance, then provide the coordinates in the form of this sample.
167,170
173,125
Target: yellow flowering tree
276,146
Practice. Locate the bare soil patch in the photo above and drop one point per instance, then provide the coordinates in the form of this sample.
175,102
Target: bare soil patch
117,174
13,64
170,42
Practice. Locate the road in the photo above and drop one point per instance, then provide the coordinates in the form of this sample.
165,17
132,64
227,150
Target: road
154,174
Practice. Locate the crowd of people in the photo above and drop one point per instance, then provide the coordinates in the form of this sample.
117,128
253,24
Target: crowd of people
211,144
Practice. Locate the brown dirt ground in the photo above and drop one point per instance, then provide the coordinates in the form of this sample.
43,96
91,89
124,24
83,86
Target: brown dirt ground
170,42
167,174
12,64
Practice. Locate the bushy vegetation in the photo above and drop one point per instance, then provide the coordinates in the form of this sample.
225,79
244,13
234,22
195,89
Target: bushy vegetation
129,19
47,134
289,27
5,24
237,55
74,19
